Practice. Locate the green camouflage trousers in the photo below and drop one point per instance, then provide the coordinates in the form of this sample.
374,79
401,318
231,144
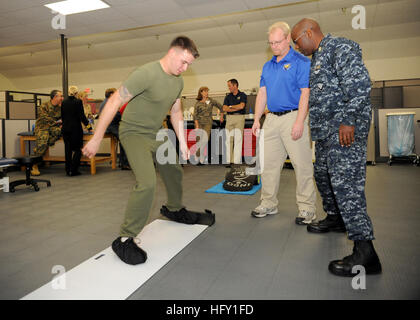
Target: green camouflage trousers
46,138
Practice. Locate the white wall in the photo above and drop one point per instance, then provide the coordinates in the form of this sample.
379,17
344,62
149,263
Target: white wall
379,69
386,60
394,69
6,84
217,82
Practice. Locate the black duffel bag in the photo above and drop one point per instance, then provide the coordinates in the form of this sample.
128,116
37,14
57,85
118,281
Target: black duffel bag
238,180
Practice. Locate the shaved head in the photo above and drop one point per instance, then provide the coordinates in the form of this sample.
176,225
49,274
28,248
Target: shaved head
306,35
307,24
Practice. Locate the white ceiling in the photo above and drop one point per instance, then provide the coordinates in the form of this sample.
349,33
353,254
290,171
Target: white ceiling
29,21
228,33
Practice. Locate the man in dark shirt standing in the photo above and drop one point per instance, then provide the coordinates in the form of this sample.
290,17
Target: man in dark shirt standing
340,115
234,106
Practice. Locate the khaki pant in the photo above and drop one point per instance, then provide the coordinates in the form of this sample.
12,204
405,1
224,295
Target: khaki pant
234,137
141,151
207,128
278,143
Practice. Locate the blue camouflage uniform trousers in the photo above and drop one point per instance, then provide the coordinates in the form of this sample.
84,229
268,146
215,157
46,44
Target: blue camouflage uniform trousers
340,175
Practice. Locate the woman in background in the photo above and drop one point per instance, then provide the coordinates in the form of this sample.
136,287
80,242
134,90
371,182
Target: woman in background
202,116
86,108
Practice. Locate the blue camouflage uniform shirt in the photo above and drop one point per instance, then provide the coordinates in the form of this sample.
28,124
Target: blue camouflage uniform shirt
340,89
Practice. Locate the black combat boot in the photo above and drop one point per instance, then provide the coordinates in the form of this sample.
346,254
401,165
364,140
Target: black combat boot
333,222
364,254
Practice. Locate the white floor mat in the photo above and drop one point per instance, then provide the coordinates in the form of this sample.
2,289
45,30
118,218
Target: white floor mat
105,276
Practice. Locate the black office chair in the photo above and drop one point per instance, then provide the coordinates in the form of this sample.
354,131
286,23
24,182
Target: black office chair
28,162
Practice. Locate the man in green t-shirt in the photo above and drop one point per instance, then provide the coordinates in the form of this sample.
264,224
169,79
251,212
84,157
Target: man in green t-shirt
151,91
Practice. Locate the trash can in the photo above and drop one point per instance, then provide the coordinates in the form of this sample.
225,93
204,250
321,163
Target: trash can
401,136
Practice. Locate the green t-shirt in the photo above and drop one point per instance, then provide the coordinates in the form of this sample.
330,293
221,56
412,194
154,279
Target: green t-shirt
154,93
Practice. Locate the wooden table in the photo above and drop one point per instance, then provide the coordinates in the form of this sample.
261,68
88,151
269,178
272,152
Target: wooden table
86,137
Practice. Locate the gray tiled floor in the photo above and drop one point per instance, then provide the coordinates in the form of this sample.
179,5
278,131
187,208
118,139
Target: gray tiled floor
240,257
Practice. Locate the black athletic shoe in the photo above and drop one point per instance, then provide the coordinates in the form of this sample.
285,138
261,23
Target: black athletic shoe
128,251
182,215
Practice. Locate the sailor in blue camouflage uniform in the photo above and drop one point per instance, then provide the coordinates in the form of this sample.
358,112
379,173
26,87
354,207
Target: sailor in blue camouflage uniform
340,115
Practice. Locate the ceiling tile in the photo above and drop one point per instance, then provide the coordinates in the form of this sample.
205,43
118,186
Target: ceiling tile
206,8
252,4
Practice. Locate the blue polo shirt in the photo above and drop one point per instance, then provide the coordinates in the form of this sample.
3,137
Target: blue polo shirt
284,79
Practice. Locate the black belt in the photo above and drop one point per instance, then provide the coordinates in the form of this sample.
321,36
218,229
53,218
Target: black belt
282,112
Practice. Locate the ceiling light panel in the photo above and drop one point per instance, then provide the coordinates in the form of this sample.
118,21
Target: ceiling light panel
76,6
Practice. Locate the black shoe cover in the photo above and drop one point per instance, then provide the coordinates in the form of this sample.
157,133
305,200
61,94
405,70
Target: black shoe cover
207,218
189,217
182,215
128,251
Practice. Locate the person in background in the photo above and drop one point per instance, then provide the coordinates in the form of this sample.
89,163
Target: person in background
203,116
113,128
340,114
73,116
47,126
234,106
108,93
82,95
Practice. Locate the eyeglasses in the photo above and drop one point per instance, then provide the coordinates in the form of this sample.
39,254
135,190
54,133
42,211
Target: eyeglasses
301,35
275,43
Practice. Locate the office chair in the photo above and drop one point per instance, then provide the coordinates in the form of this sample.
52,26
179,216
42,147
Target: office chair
28,162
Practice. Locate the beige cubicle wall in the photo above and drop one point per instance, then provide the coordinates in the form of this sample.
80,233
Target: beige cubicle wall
371,157
2,105
12,128
21,110
1,139
383,129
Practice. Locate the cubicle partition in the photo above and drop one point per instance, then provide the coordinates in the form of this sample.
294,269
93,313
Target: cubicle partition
18,112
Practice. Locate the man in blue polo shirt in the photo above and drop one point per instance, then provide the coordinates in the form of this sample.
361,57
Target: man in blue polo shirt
284,88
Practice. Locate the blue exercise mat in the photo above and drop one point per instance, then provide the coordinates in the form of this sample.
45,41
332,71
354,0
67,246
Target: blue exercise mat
218,188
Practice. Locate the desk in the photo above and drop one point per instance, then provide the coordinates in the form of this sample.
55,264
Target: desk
86,137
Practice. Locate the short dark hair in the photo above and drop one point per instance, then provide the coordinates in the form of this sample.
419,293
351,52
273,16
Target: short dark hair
109,92
54,93
234,81
185,43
